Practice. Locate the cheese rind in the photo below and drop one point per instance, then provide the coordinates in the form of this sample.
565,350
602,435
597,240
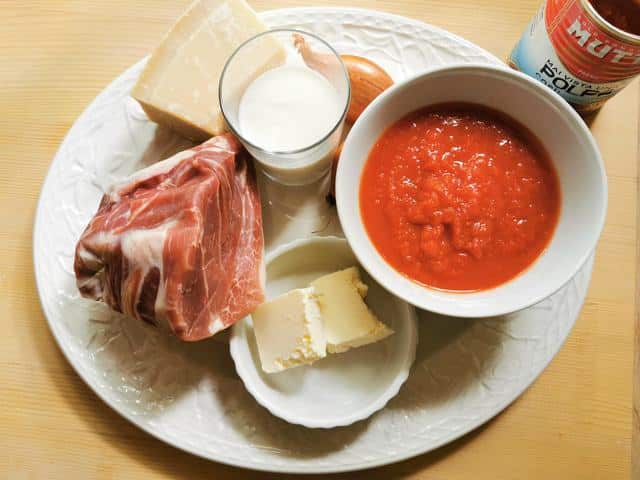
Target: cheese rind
178,87
348,321
289,331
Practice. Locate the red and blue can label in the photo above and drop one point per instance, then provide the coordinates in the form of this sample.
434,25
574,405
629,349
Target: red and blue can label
569,48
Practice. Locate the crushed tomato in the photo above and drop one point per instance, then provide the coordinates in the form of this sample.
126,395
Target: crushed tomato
459,197
624,14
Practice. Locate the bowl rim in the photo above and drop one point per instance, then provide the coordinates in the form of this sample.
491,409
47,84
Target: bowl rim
428,301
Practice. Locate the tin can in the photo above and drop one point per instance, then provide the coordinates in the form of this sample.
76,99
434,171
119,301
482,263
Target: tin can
573,50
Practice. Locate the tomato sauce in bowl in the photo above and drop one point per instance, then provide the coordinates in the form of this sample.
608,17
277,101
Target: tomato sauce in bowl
459,197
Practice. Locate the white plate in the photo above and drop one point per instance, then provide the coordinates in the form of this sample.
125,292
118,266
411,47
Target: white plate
188,395
342,388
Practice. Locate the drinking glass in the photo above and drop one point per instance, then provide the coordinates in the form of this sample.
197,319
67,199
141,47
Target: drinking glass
272,49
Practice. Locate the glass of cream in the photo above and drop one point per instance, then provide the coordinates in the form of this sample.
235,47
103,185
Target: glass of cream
289,111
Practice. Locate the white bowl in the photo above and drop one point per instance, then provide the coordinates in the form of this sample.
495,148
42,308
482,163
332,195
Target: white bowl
562,132
341,388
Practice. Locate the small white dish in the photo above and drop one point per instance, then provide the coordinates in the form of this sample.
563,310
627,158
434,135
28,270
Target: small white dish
564,135
341,388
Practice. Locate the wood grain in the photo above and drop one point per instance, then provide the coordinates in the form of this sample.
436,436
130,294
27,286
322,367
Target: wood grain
575,422
635,440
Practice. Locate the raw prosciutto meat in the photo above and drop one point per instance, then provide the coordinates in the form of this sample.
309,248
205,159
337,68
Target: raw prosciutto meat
179,244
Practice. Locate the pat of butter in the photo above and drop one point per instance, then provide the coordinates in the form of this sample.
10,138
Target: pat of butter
348,322
289,331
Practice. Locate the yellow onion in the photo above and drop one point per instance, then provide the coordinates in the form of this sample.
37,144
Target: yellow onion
368,80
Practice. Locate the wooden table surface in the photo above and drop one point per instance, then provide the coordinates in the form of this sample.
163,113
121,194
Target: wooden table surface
575,422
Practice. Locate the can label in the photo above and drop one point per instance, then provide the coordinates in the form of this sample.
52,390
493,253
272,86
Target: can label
570,53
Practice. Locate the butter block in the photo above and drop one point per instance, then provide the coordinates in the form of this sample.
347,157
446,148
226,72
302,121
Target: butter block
179,86
348,322
289,331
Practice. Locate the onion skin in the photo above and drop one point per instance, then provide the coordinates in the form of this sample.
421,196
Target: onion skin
368,80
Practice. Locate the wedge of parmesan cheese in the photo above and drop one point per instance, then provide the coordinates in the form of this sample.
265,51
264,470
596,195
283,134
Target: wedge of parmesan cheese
179,86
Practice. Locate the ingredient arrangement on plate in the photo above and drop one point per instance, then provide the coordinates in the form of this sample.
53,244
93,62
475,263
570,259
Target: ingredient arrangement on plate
179,244
459,191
